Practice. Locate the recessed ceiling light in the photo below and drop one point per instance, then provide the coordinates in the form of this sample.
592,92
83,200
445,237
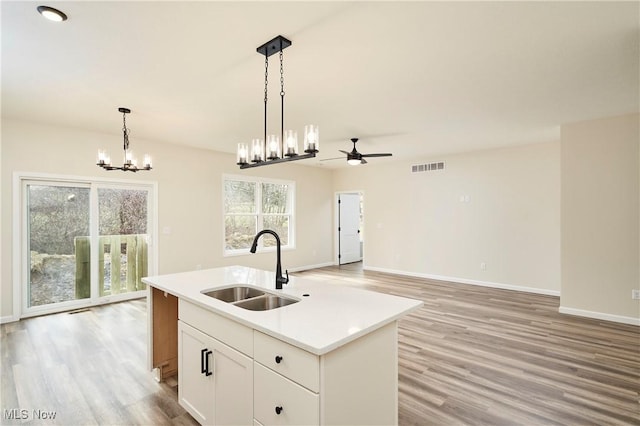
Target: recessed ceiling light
52,14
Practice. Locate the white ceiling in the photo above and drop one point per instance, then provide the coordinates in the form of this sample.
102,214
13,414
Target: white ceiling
413,78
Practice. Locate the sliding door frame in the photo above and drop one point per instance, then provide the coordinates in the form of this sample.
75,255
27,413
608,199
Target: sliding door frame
20,262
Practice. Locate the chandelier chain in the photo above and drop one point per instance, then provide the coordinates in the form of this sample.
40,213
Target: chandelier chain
266,77
125,131
281,75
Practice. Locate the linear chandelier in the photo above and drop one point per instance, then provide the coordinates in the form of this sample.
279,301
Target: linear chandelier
130,163
273,149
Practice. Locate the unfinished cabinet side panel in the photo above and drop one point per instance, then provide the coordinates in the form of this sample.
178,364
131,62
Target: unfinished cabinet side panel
163,312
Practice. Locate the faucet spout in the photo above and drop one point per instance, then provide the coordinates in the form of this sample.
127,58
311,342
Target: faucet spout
279,278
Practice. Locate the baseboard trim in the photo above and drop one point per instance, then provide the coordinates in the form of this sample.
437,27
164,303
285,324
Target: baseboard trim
502,286
307,267
8,318
599,315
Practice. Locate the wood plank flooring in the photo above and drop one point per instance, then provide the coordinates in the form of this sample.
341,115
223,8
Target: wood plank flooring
471,355
89,368
476,355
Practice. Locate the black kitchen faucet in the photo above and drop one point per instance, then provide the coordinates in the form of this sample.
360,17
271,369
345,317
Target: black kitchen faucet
279,278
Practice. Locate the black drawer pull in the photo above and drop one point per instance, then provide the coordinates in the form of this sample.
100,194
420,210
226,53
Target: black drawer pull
278,359
202,357
278,410
206,363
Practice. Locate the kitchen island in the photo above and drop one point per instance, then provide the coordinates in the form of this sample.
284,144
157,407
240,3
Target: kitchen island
328,357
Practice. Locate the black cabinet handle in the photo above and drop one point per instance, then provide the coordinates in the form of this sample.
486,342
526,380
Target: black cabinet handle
278,359
278,410
206,363
202,357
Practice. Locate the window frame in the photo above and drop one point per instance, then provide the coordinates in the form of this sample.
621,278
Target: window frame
259,181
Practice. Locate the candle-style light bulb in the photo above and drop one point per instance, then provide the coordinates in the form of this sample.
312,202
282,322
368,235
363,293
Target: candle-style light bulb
291,143
257,155
273,147
101,157
311,138
242,154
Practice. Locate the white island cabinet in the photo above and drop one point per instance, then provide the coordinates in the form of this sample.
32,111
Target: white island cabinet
330,358
215,381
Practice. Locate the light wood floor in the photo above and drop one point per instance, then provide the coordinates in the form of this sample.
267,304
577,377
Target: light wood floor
471,355
475,355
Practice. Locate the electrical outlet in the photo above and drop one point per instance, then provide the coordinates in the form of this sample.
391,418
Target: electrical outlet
635,294
483,266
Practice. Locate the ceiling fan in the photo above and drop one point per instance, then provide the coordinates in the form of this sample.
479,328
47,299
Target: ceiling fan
354,157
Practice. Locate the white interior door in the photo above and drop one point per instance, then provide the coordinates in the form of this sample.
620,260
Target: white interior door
349,228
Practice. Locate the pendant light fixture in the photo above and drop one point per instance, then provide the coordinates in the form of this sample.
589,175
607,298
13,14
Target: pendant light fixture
274,149
130,164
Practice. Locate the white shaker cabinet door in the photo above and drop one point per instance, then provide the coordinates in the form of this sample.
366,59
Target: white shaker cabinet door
195,386
233,382
215,382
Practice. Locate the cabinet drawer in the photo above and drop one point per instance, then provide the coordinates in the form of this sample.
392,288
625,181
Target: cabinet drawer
297,364
227,331
298,406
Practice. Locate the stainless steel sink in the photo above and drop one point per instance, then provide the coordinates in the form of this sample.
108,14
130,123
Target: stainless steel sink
265,303
234,294
250,298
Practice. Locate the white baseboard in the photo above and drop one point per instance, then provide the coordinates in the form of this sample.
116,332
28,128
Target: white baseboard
599,315
562,309
466,281
8,318
307,267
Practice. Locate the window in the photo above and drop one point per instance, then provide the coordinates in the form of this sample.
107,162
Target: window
254,204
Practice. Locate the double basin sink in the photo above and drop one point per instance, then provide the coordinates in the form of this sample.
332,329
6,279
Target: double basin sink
250,298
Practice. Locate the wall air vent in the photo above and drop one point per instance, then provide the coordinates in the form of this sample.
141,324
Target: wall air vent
429,167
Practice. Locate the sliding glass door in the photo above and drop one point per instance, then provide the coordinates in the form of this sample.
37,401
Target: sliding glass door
122,243
57,215
83,243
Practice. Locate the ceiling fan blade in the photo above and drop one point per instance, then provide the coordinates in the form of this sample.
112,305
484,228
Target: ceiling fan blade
378,155
344,152
329,159
363,161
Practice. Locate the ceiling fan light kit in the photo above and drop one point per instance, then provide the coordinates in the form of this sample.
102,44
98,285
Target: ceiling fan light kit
355,158
274,149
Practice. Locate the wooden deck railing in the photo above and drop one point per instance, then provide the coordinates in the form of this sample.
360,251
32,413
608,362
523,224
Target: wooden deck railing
135,247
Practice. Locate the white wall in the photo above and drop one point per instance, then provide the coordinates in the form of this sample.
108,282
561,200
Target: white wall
416,223
600,214
189,196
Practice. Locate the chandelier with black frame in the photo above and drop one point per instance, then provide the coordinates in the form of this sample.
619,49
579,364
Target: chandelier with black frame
274,149
130,164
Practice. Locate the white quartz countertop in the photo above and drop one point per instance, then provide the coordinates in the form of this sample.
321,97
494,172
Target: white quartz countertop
329,317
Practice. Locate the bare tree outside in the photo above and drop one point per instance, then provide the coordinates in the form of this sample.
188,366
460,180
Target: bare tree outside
275,209
57,215
245,202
